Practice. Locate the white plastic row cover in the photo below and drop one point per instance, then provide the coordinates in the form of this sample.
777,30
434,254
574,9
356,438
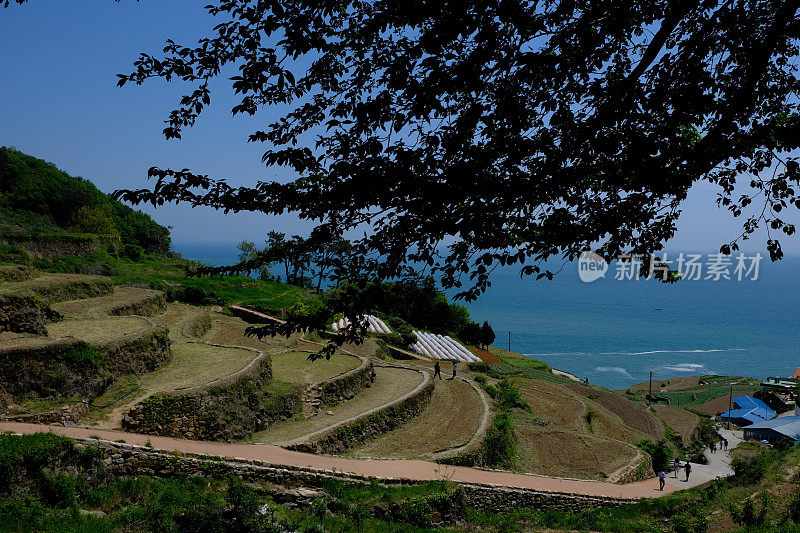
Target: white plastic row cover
442,347
374,325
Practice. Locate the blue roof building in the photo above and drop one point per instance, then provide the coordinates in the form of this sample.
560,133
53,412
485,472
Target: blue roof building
750,411
785,428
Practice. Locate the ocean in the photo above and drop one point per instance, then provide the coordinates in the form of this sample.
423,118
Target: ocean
615,332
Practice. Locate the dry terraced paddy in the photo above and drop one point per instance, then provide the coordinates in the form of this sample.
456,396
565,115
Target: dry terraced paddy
559,437
289,365
193,364
633,414
98,331
60,287
390,384
680,420
123,297
450,419
557,452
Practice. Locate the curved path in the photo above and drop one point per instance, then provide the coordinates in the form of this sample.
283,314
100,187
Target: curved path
382,469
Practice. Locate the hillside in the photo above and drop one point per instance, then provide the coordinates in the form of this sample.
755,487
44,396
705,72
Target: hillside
37,197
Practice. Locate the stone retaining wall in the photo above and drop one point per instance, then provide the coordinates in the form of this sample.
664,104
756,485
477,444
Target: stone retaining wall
370,425
230,409
129,460
70,367
152,305
62,416
53,246
347,385
22,313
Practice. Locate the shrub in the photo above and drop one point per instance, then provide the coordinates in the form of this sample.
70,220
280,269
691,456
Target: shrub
500,445
58,490
748,515
705,433
750,469
659,451
10,253
133,252
481,366
509,397
481,380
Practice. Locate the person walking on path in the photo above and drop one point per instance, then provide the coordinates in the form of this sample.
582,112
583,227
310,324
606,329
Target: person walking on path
676,464
726,444
437,371
688,468
454,370
713,447
662,478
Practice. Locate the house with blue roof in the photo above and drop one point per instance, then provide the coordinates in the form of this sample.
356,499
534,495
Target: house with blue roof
782,429
748,411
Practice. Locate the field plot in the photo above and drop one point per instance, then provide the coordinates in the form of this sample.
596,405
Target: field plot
553,403
634,415
230,330
60,287
669,385
451,419
390,384
193,364
681,421
558,452
288,364
294,367
719,405
123,297
99,330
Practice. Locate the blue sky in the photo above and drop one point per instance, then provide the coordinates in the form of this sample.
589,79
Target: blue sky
59,102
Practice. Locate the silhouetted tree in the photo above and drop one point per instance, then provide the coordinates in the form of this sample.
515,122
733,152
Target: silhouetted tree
466,135
487,335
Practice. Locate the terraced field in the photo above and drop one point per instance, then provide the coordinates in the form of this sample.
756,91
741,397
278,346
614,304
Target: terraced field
193,364
60,287
681,421
450,420
557,452
390,384
124,298
99,330
288,363
578,431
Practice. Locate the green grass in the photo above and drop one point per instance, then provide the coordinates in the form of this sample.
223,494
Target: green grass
524,364
529,368
692,398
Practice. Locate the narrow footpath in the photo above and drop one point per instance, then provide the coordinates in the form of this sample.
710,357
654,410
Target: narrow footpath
719,464
384,469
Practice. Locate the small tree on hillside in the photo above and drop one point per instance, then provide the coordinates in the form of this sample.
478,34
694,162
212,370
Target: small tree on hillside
487,335
95,219
471,334
247,251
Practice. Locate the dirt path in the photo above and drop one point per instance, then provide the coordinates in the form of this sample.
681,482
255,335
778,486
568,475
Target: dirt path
382,469
719,464
390,383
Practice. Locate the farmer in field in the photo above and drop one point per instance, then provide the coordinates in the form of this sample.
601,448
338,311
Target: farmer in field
676,464
454,369
688,468
662,478
437,371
